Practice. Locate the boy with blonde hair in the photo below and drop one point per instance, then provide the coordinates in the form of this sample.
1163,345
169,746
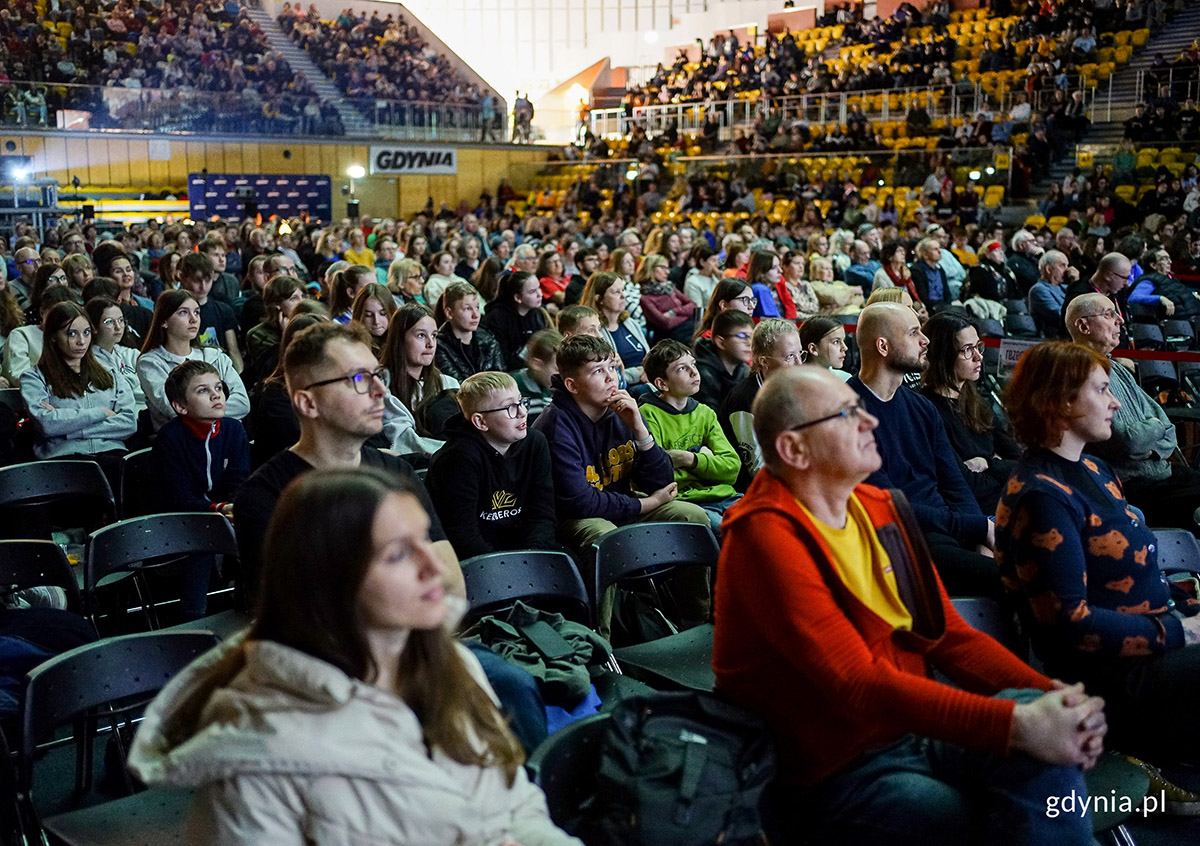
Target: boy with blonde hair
491,482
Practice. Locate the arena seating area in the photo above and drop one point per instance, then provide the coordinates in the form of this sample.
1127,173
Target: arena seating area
379,59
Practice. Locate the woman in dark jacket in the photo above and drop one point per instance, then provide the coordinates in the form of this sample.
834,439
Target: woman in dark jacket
515,315
979,439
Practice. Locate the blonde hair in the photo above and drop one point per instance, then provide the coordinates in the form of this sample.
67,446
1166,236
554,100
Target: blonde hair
476,390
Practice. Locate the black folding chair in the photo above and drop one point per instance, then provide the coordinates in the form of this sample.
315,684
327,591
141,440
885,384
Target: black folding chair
1016,306
138,484
37,496
565,767
986,615
1179,334
1156,377
1021,326
11,399
114,678
149,543
645,551
1147,336
38,563
990,327
1177,550
546,580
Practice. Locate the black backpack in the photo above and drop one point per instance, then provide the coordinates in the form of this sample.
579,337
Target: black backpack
679,769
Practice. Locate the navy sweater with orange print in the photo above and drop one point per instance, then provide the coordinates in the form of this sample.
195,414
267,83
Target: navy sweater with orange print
1083,564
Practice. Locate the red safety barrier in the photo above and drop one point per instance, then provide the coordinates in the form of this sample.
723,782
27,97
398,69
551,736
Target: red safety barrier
1139,355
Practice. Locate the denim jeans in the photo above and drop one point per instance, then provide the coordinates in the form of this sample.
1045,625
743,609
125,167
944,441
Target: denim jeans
919,791
520,700
716,511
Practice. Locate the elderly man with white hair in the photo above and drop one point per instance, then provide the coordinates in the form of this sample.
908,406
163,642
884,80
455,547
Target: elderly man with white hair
1048,296
1143,437
1023,258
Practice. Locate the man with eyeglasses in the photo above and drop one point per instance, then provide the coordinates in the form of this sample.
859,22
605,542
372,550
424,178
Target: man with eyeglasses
335,384
337,391
1110,279
1160,292
1143,437
28,260
830,620
775,344
917,456
491,481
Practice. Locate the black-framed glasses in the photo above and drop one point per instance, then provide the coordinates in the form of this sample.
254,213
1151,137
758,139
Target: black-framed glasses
972,350
750,301
849,412
742,336
513,410
359,379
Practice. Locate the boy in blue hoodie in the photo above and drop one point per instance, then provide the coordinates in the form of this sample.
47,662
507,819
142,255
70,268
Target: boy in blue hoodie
603,457
202,458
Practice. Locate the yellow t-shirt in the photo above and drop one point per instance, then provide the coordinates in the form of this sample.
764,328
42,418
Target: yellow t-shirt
366,258
863,563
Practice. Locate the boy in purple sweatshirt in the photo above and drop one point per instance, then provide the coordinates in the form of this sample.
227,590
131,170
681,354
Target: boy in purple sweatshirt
607,469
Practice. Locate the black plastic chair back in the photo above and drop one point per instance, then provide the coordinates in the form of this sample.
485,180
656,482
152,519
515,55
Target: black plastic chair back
142,543
67,687
1016,306
1156,376
1147,336
546,580
990,327
11,399
986,615
1177,550
1179,334
38,563
35,494
565,767
139,484
647,548
1021,326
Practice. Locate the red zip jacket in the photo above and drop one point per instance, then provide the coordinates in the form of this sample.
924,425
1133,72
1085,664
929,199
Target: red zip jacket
832,678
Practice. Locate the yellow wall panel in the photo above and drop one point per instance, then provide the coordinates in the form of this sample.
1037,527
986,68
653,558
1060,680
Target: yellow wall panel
104,160
118,161
139,162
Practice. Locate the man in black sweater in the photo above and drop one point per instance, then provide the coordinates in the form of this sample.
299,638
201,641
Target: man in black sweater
491,483
917,457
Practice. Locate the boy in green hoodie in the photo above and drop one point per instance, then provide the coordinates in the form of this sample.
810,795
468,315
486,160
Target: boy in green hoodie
706,465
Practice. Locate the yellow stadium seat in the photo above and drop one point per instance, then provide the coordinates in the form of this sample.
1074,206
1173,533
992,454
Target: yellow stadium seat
1140,36
1057,222
1125,192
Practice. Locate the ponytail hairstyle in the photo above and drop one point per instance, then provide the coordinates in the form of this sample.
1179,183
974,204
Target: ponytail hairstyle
345,281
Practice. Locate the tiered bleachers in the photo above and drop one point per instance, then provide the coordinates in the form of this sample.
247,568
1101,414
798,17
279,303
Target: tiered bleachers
380,59
161,65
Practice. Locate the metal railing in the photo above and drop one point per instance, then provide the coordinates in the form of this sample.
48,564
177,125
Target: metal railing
181,111
881,105
426,121
1166,82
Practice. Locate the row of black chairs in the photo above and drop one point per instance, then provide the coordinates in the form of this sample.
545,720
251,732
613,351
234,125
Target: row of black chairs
113,679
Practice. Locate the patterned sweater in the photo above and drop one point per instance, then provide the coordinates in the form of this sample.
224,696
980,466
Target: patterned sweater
1083,564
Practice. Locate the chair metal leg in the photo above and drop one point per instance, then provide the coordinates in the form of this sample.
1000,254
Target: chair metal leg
1119,836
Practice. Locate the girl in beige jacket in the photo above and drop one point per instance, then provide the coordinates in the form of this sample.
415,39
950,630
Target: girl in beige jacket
347,714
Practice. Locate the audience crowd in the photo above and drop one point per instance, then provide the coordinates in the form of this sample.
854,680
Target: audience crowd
172,64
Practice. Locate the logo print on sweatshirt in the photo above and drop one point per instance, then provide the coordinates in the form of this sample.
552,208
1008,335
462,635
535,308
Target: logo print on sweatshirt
503,499
504,505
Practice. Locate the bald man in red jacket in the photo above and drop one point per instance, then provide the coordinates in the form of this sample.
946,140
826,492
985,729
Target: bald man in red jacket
830,619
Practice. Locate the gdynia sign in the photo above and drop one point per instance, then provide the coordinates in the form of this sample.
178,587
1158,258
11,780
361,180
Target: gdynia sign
414,158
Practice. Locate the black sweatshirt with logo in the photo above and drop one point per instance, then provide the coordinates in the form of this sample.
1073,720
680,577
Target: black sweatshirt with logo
489,502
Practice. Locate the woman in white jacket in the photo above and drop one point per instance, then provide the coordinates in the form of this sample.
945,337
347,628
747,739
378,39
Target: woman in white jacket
82,410
408,354
171,341
109,323
348,714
